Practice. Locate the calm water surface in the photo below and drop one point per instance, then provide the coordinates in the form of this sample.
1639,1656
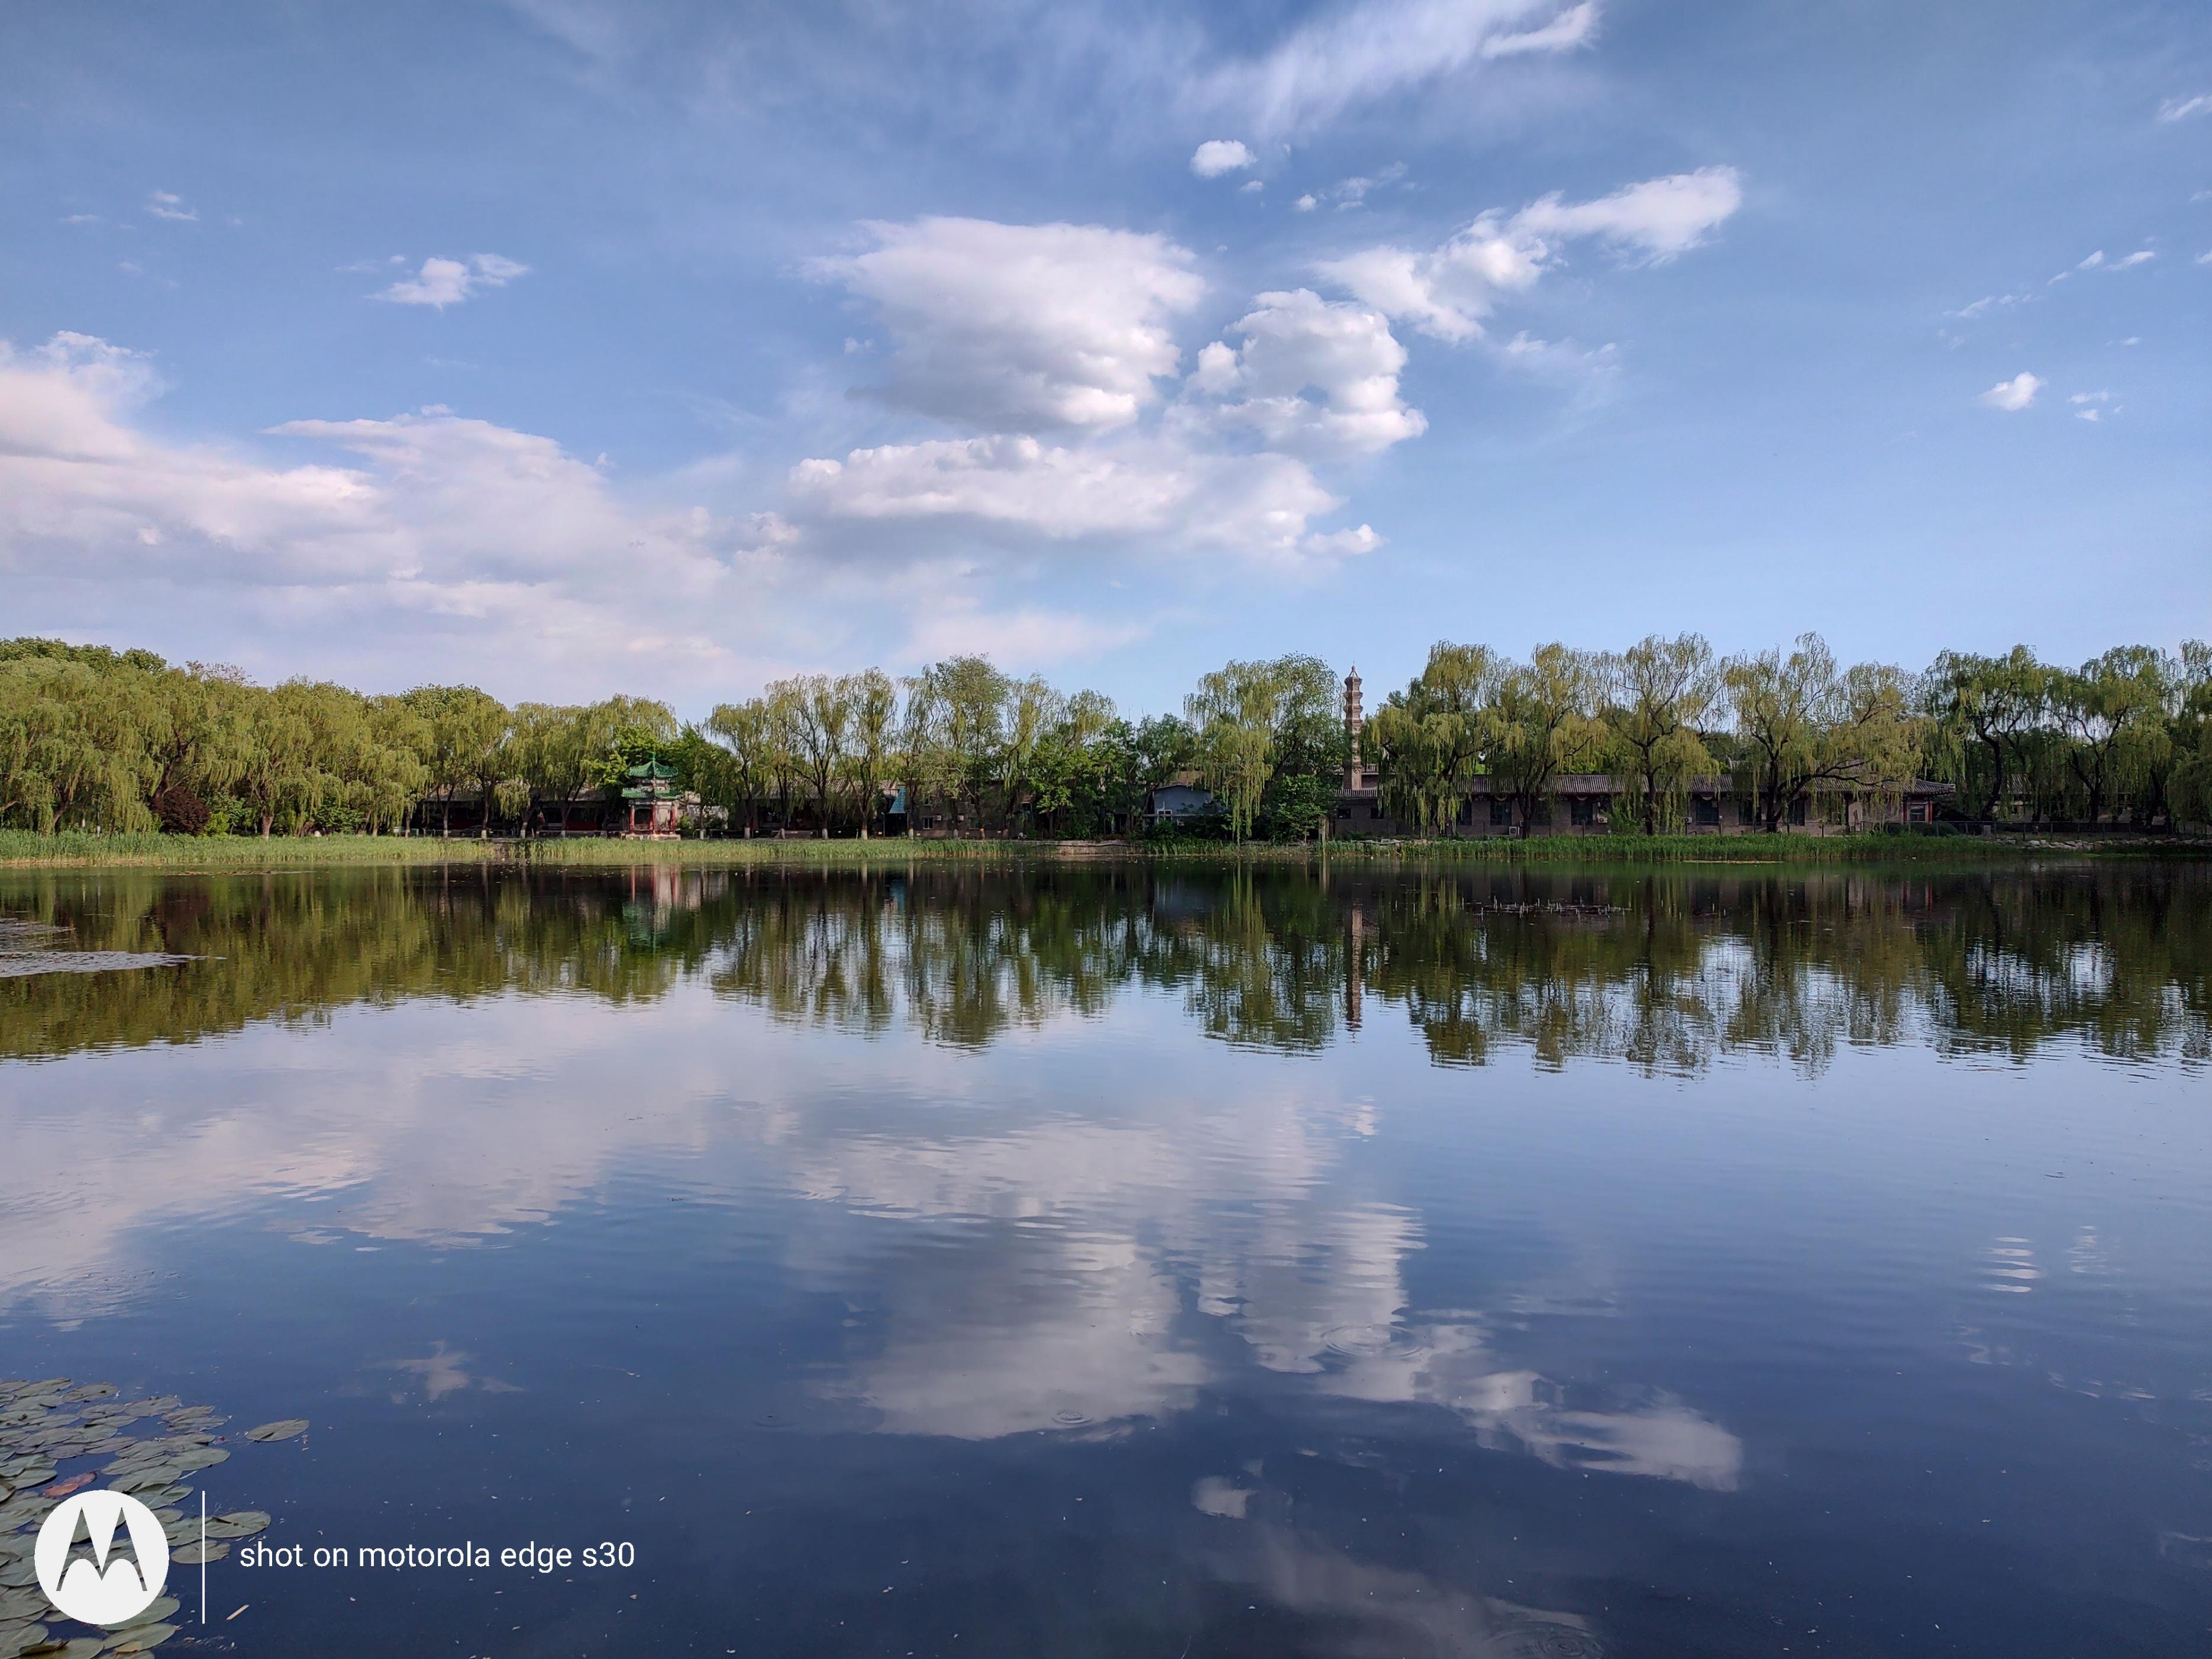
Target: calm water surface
1122,1263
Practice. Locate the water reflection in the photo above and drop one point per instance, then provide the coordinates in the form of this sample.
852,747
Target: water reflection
1666,973
1166,1204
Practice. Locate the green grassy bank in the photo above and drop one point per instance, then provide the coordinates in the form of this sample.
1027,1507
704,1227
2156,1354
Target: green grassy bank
23,849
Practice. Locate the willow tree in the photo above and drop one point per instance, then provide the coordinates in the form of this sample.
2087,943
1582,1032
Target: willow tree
466,727
740,731
1264,723
954,735
78,744
2113,708
1659,696
1428,740
1803,723
874,702
2190,800
1986,708
1545,720
822,712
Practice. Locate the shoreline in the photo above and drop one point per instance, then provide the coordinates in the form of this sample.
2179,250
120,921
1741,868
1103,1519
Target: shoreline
25,850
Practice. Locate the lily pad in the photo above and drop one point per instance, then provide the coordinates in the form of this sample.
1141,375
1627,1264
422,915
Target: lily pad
238,1523
19,1638
195,1552
21,1606
155,1614
283,1429
139,1637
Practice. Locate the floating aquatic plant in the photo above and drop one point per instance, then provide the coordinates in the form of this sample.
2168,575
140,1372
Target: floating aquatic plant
48,1423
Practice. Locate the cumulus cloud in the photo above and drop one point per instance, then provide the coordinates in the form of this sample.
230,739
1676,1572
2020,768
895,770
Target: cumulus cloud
1001,325
1258,506
1219,156
163,205
1447,291
445,516
2014,395
1295,344
1366,51
443,282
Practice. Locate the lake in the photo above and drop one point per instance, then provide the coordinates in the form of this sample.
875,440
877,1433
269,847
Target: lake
1133,1260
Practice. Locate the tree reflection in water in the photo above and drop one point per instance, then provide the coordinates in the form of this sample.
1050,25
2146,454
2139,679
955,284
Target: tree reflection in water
1667,972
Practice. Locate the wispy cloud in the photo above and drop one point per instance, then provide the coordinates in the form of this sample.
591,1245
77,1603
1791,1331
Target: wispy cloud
1369,51
2181,109
1447,291
443,282
164,205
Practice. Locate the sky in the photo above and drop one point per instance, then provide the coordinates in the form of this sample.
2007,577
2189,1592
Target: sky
565,346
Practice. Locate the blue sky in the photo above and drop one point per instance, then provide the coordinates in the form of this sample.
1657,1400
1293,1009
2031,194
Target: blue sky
566,347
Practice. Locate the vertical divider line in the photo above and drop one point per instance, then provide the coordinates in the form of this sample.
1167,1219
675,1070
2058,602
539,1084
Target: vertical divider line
203,1557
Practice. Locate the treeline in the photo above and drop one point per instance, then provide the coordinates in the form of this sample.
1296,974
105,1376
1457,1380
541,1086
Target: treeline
2127,736
96,739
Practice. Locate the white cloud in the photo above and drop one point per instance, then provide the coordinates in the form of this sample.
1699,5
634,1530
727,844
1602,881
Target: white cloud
1307,203
1014,325
1344,543
2094,406
1297,342
2093,261
443,282
2014,395
1989,303
1368,51
1026,638
1250,186
2181,109
1219,156
1352,192
1449,290
1660,218
1572,27
1257,506
163,205
2141,256
449,518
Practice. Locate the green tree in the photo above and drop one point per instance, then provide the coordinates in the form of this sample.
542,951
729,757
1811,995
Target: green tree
466,728
1545,721
1428,741
1803,723
2113,710
1659,695
1983,711
874,700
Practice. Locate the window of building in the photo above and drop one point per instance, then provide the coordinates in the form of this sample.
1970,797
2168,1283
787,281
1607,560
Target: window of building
1706,811
1501,812
1797,813
1582,812
1744,814
1916,812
